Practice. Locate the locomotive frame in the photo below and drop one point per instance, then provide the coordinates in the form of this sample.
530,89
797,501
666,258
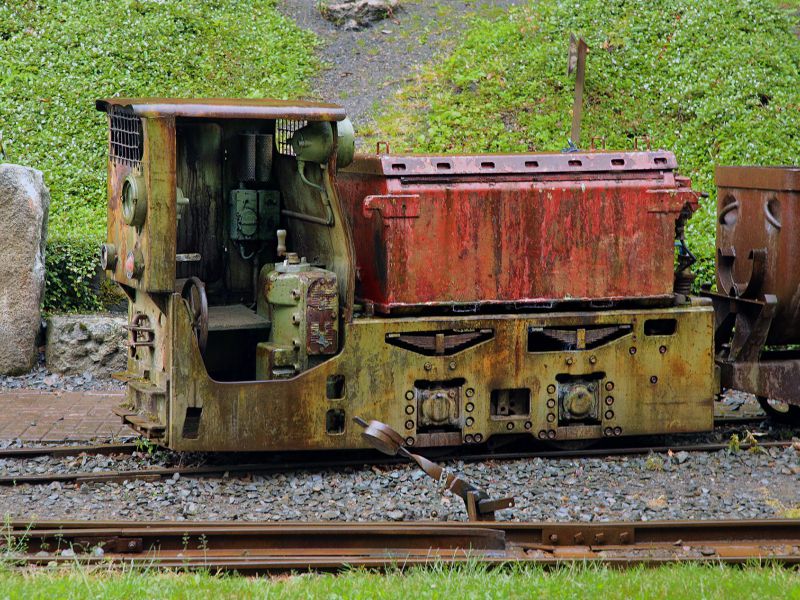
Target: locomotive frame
236,343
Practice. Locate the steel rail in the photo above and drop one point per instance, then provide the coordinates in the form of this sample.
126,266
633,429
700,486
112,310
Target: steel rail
58,451
131,447
249,547
335,462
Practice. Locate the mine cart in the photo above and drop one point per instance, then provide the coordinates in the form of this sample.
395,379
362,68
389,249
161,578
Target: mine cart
758,284
279,286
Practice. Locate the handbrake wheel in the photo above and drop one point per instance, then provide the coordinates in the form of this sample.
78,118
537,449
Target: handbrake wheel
194,294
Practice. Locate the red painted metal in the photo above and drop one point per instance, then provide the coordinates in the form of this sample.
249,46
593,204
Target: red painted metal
450,230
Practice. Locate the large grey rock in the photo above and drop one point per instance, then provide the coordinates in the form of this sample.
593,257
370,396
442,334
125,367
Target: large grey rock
24,203
360,12
86,343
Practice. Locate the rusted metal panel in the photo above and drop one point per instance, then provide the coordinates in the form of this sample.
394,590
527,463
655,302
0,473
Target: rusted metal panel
322,333
759,178
758,246
453,230
775,376
199,160
512,164
651,381
150,245
227,108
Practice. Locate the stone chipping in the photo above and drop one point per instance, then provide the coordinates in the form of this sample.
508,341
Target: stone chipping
697,485
42,378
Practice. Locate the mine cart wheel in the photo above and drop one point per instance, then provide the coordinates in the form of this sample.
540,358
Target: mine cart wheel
194,293
783,412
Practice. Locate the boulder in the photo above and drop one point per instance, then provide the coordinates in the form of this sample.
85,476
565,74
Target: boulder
24,203
86,343
358,12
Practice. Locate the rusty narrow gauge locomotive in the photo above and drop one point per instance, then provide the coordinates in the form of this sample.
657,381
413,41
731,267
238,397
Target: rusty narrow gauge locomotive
279,285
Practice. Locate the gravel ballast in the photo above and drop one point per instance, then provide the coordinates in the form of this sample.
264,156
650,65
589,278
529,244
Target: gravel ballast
693,485
41,378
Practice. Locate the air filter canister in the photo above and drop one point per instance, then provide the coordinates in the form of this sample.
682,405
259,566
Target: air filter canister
247,157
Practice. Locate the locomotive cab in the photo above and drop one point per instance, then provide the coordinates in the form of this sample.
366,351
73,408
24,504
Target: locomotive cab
226,209
276,290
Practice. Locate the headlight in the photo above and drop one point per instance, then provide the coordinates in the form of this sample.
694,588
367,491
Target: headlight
134,200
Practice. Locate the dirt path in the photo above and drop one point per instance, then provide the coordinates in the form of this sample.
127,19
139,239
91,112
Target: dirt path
364,68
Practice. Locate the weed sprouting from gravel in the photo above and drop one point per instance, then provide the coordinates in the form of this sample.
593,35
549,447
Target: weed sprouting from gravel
12,545
654,462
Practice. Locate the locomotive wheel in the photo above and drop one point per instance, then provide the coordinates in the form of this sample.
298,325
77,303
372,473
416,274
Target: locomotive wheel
782,412
194,294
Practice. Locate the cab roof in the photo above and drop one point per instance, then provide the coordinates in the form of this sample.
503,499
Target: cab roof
226,108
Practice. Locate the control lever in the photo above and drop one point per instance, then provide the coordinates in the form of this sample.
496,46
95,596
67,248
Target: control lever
281,233
479,506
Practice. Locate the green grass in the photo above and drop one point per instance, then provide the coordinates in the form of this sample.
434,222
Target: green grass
673,582
57,57
716,82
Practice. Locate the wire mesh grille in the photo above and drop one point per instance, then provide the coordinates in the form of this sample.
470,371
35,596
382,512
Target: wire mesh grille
126,137
284,130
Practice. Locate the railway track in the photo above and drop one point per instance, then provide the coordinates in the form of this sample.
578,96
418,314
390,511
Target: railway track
304,462
262,547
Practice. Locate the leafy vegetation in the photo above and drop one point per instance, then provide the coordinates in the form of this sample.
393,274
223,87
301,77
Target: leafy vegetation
474,581
715,82
57,57
71,273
